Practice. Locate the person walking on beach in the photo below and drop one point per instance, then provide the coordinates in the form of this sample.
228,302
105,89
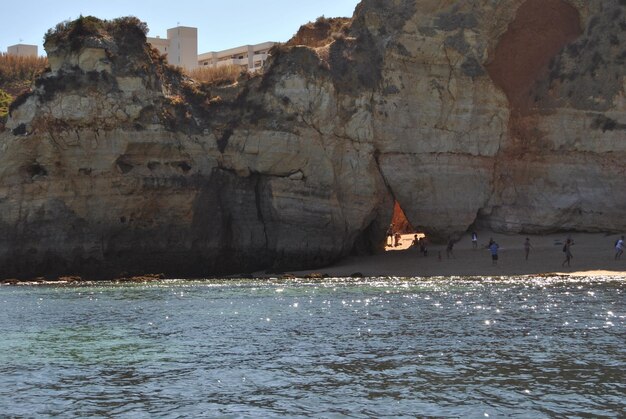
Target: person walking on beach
474,240
449,248
527,247
390,234
619,248
423,248
568,252
493,248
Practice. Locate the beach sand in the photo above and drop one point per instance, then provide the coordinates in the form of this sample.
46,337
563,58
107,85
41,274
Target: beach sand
593,255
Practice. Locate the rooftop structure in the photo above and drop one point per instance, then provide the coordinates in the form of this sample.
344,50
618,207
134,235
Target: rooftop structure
23,50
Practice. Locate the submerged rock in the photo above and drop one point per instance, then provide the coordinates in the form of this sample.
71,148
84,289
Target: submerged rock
118,163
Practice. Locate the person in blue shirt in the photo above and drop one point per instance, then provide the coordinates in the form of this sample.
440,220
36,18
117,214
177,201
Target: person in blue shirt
619,248
493,248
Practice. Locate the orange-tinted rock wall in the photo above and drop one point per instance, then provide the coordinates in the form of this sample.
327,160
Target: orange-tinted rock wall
541,28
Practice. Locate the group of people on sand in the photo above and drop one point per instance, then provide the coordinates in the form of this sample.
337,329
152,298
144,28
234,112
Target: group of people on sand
393,236
494,247
567,249
421,243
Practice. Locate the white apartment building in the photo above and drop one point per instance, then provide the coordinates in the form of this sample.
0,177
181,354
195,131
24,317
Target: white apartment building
181,48
23,50
250,57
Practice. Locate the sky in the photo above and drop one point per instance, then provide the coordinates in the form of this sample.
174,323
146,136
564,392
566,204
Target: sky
221,24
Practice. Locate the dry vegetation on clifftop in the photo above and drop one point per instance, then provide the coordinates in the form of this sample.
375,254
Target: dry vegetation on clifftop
17,75
321,32
223,75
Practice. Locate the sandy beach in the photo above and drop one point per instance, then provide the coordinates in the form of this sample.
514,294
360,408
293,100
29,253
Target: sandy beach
593,255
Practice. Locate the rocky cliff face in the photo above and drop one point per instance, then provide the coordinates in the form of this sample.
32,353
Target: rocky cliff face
509,114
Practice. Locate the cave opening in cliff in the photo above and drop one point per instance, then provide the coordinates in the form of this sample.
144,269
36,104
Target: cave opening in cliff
401,233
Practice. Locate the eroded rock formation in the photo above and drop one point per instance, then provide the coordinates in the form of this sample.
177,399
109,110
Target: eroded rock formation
507,114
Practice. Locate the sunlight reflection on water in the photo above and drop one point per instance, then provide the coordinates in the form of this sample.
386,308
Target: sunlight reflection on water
361,347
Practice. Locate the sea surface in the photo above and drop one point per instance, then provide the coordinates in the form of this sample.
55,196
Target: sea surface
376,347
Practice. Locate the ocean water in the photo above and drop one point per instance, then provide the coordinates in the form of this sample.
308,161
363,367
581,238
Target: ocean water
390,347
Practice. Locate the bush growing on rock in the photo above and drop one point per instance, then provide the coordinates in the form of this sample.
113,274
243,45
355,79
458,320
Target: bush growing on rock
75,32
321,32
5,100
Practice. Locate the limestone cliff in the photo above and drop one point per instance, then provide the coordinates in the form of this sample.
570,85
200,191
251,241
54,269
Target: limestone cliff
509,114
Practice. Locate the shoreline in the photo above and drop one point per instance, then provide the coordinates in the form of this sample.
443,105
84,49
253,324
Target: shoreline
313,275
593,256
